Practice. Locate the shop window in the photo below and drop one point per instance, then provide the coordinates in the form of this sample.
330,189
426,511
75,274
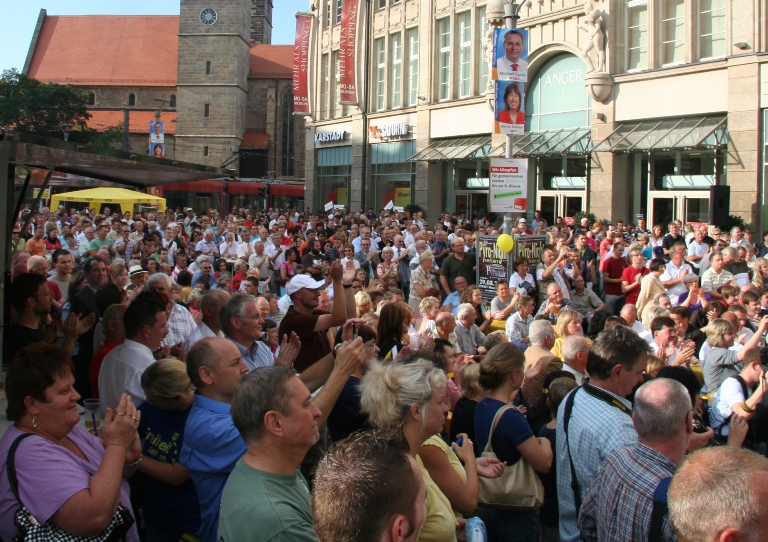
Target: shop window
444,59
694,170
637,35
392,175
334,171
412,35
563,173
711,28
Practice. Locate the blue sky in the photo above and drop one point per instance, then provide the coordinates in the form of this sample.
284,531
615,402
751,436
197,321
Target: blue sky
17,32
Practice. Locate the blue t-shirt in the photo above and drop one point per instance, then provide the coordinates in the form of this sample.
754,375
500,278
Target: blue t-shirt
511,431
347,416
167,507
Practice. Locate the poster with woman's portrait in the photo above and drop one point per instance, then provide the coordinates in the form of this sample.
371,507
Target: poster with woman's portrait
510,54
509,114
157,139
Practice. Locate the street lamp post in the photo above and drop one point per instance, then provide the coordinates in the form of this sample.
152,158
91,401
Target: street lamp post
511,16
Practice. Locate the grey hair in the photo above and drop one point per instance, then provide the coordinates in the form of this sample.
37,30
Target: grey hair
388,391
730,251
209,230
717,474
463,310
660,410
650,313
257,393
202,258
233,307
157,277
572,345
539,330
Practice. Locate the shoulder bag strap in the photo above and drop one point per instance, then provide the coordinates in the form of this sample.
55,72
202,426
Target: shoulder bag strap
660,510
566,421
10,465
496,418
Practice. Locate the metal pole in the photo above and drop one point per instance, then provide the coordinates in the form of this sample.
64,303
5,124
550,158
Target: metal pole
510,21
126,120
364,110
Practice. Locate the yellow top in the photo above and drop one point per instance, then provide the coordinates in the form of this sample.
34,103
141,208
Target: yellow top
453,459
557,349
439,522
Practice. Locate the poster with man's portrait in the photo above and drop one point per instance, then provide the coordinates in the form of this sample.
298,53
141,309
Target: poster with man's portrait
157,138
510,54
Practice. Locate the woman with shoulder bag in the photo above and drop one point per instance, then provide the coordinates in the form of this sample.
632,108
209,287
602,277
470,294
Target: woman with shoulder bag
70,482
502,376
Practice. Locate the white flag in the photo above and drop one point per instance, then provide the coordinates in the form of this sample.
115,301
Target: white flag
389,205
329,206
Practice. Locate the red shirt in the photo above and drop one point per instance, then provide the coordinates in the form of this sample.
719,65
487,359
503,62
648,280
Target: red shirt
629,275
314,344
613,268
93,370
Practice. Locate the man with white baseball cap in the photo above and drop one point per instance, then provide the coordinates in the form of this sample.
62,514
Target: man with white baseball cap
312,324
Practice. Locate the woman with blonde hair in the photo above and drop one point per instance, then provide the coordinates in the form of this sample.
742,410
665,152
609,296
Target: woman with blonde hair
760,273
568,323
388,270
362,304
171,508
502,376
118,274
410,399
719,361
429,309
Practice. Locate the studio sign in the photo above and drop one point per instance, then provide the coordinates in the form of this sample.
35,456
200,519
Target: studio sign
329,137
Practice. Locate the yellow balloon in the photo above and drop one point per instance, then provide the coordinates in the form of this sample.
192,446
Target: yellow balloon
505,242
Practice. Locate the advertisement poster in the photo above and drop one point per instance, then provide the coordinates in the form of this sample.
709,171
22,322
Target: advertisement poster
350,22
510,54
157,139
529,247
509,116
301,64
509,185
493,265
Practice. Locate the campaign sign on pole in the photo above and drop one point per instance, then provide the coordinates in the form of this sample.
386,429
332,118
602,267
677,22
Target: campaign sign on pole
508,108
529,247
301,64
509,185
510,54
493,265
348,35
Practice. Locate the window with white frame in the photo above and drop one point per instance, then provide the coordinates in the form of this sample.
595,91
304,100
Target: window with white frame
444,59
324,85
464,24
381,4
396,74
483,65
337,17
335,105
711,28
380,58
412,37
637,35
672,32
327,14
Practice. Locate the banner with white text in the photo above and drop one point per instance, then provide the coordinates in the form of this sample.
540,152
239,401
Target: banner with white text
509,185
301,64
348,37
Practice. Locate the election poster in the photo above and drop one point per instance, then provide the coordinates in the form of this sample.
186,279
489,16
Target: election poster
509,115
509,185
510,54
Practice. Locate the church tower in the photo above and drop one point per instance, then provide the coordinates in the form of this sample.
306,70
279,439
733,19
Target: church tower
261,22
214,51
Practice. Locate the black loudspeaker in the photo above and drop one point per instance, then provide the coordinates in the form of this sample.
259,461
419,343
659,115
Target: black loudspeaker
719,204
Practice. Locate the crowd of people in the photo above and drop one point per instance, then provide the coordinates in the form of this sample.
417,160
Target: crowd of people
268,375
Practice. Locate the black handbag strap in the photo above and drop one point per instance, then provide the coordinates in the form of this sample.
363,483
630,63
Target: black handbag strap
10,465
566,420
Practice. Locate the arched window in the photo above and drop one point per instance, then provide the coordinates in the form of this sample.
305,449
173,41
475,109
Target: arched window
172,101
131,99
91,98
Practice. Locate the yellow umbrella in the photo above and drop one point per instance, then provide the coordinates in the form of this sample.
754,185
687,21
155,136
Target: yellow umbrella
98,196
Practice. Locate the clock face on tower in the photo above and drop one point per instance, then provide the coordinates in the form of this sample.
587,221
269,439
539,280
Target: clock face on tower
208,16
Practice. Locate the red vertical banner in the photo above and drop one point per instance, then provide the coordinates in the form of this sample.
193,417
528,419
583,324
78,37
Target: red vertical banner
301,64
348,37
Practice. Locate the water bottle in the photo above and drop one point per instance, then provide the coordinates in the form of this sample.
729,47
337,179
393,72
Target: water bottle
475,530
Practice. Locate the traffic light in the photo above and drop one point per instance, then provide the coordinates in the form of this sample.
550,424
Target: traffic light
263,191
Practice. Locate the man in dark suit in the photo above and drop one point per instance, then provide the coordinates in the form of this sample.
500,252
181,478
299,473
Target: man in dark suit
367,258
84,304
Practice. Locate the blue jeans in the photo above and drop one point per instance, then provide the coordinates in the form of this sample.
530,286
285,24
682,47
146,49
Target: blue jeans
508,526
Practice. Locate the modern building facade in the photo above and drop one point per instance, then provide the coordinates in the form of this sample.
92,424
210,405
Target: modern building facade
210,74
680,106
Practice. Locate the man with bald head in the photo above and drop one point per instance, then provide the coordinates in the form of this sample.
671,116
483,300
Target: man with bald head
629,313
210,305
445,328
619,502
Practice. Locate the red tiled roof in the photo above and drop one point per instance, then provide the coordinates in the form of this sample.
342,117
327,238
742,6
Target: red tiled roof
254,139
101,50
138,120
271,61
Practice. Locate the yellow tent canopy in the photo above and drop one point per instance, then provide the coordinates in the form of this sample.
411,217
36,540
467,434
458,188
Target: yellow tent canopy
98,196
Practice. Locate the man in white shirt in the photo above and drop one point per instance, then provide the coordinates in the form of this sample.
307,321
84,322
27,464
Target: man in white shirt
511,64
697,249
145,328
675,272
629,313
